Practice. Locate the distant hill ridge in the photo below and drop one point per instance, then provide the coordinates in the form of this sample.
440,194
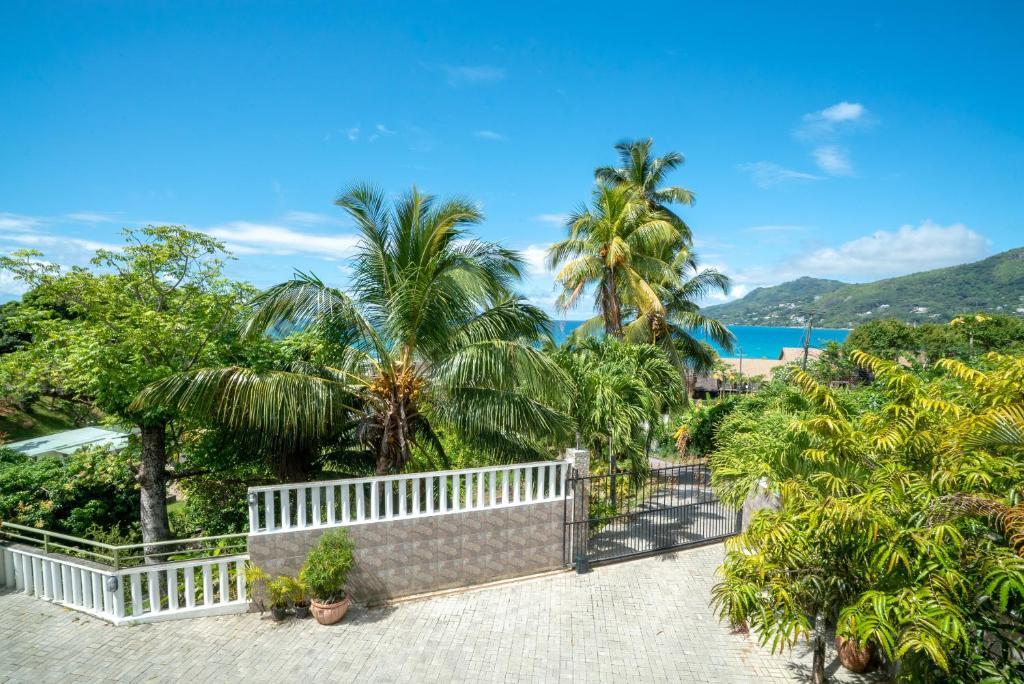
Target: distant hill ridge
992,284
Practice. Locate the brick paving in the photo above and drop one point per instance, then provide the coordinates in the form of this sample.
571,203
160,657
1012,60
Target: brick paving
642,620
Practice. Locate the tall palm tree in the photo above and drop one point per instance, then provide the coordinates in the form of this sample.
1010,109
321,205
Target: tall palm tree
429,332
616,245
645,173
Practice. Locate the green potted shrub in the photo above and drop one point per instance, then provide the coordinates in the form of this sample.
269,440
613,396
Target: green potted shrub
298,592
255,582
324,573
278,594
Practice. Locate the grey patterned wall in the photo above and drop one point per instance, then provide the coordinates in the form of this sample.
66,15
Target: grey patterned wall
416,555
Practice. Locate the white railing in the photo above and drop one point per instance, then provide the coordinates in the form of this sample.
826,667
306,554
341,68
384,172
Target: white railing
146,593
372,499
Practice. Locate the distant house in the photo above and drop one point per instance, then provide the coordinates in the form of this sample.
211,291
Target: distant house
70,441
752,371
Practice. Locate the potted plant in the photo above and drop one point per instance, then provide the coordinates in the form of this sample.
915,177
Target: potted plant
299,595
278,594
324,573
255,578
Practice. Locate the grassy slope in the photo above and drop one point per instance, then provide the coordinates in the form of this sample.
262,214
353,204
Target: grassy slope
42,419
993,284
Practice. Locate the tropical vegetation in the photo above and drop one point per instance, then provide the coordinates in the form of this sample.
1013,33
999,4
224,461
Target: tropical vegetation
899,517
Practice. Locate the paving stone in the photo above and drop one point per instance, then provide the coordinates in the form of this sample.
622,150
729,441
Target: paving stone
641,620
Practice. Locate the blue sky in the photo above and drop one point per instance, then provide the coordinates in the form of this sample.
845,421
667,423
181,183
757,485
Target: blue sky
846,140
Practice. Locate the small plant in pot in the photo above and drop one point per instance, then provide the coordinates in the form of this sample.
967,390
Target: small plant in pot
299,595
324,573
278,594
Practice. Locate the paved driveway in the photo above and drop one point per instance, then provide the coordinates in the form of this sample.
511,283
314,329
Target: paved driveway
642,620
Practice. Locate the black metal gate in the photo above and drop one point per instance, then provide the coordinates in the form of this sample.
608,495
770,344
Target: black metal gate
617,515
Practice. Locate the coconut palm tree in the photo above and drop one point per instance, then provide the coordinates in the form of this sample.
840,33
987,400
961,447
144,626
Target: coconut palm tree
616,245
645,174
428,333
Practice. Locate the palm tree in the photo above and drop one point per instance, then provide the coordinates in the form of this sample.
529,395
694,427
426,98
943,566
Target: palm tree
429,333
671,324
616,245
645,174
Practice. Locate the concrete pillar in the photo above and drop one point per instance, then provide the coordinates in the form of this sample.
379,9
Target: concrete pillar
577,514
759,499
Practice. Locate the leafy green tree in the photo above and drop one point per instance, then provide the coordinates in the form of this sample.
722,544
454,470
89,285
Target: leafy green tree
87,491
430,333
899,522
157,307
615,246
887,338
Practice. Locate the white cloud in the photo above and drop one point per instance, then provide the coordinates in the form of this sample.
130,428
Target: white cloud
833,160
383,130
834,119
841,111
882,254
766,174
552,219
352,133
473,75
536,257
244,237
906,250
489,135
11,286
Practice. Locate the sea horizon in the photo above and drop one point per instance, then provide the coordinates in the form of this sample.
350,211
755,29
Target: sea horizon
754,341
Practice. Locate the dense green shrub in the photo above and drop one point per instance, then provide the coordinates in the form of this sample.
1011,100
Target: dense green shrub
327,566
703,426
87,492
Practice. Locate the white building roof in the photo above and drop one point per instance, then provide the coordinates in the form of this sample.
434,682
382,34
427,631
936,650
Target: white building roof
70,441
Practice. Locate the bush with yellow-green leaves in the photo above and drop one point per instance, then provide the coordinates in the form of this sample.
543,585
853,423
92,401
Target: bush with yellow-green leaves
901,525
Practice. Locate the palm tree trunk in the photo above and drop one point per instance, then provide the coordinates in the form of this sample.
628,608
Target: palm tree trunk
153,487
612,311
818,666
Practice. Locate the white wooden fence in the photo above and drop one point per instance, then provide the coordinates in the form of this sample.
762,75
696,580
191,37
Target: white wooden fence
372,499
146,593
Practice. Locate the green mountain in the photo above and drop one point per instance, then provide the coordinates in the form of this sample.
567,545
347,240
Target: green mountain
993,284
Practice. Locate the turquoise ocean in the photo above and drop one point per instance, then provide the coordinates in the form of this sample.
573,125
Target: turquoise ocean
754,340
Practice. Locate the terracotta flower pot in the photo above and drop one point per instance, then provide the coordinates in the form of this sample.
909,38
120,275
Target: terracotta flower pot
853,656
329,613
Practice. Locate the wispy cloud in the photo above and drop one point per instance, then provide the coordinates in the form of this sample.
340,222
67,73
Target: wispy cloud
472,75
307,217
91,217
552,219
489,135
244,237
833,160
766,174
775,228
19,221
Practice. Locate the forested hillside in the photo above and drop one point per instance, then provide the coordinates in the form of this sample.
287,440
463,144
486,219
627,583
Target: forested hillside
993,284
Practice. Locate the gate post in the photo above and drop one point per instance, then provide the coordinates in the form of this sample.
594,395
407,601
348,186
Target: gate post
578,513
